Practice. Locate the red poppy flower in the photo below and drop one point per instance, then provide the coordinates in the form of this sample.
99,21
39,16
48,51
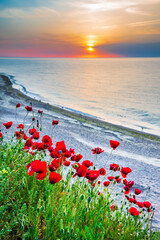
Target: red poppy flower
26,149
140,204
29,143
47,140
102,171
66,163
55,153
40,167
99,182
92,175
114,207
61,146
110,178
114,167
54,177
40,147
133,211
33,119
36,135
1,135
50,149
147,204
39,111
149,210
72,151
8,124
97,150
87,163
21,126
114,144
29,109
18,105
55,122
81,171
125,171
127,189
19,135
67,154
32,131
76,157
129,184
137,191
118,180
55,164
106,183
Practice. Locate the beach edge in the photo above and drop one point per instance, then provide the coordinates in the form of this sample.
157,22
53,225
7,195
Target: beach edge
7,86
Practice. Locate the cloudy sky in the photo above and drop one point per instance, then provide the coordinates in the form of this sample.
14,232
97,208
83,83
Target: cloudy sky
80,28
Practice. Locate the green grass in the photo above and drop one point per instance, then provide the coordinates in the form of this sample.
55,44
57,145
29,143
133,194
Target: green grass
33,209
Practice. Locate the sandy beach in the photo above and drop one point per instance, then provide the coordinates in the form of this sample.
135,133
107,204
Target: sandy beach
137,150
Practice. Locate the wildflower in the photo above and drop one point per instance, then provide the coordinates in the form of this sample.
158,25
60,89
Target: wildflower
99,182
72,151
55,122
106,183
97,150
33,119
147,204
36,135
40,167
40,147
29,143
4,171
21,126
125,171
102,171
87,163
133,211
92,174
18,105
81,171
118,180
76,157
140,204
1,135
67,154
66,163
29,109
47,140
8,124
54,177
32,131
137,191
114,207
114,167
114,144
19,135
39,111
61,146
127,190
110,178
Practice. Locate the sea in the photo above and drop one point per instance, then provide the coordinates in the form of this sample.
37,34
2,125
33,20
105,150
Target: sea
122,91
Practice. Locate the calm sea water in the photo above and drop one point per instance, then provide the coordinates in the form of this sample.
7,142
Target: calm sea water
123,91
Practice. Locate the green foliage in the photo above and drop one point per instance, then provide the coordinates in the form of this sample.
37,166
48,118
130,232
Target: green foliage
33,209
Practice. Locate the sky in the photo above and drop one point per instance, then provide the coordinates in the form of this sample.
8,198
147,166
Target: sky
80,28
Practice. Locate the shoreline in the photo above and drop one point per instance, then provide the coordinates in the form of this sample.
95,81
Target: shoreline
8,85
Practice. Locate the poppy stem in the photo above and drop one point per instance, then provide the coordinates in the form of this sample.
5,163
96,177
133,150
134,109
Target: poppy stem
108,157
25,118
